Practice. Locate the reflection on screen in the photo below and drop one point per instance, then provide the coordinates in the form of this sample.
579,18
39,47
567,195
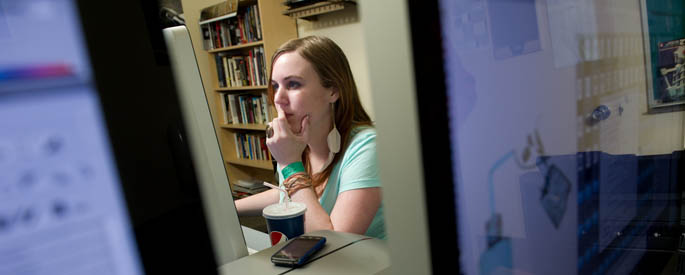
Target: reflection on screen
552,175
61,207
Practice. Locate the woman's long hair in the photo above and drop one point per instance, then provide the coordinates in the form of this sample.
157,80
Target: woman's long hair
330,63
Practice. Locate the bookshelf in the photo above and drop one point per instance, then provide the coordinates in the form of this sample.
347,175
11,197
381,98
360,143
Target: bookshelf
238,54
310,12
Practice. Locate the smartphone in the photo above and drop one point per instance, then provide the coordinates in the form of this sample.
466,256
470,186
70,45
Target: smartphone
298,251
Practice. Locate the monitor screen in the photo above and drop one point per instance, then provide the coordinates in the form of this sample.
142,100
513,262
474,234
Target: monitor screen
96,173
62,209
545,114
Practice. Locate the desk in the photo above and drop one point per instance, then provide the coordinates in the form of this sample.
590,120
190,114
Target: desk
349,254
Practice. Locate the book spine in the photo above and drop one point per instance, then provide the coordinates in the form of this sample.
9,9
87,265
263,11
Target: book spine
240,28
231,66
248,107
241,70
244,144
233,106
238,73
255,110
243,109
219,70
252,70
224,108
246,24
262,66
266,109
246,71
256,147
211,36
237,145
258,109
258,66
253,24
206,37
227,77
229,117
258,22
249,144
250,79
217,35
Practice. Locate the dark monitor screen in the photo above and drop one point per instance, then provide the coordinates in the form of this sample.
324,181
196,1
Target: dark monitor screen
62,210
545,118
95,175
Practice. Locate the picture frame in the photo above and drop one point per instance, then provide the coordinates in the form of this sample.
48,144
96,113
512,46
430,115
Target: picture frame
664,48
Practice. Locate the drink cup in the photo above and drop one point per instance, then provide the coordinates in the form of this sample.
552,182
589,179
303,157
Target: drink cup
284,221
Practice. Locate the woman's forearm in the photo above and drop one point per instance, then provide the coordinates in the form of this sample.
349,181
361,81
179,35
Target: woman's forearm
316,217
253,205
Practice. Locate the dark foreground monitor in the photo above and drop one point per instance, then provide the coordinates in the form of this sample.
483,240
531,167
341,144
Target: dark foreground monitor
96,175
534,147
544,114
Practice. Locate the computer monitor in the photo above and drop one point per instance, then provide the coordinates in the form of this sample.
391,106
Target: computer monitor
521,127
226,230
96,174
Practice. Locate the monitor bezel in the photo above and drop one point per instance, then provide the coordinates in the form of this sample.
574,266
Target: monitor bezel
436,148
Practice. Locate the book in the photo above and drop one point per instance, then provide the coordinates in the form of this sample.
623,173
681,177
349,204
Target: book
258,109
261,66
258,22
217,36
241,189
264,148
250,183
239,195
227,73
251,186
220,70
224,108
206,37
266,110
229,118
251,64
237,146
224,9
233,106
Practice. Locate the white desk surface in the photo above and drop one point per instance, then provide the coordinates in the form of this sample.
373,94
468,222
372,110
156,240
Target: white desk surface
363,257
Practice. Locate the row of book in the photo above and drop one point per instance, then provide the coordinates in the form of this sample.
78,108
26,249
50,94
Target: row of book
236,70
245,109
251,146
245,27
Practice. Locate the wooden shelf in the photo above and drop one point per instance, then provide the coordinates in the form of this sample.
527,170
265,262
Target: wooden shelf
261,164
244,88
258,127
237,47
275,30
311,11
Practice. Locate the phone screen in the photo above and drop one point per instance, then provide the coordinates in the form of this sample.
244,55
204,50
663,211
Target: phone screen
297,248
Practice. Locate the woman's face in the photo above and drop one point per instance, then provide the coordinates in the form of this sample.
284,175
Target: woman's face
298,92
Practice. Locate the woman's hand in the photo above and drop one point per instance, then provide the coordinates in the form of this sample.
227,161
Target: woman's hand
286,146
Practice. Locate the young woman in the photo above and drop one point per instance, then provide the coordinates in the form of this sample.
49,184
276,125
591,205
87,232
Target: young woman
323,140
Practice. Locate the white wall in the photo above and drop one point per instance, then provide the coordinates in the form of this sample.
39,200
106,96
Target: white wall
345,28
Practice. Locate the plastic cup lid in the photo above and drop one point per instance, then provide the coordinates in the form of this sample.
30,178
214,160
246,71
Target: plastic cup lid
279,211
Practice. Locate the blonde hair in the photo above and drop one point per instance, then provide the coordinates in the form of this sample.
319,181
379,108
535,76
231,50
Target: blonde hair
330,64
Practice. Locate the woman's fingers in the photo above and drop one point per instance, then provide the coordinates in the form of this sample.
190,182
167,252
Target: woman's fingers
304,128
281,113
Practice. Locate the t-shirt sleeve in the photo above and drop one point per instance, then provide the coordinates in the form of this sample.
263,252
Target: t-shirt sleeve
360,164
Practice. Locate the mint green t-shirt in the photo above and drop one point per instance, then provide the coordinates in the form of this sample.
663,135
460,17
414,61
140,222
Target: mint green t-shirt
357,169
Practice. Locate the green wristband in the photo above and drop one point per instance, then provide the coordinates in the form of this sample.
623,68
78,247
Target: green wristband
293,168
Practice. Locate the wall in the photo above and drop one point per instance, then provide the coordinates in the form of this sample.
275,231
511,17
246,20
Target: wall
345,28
658,133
